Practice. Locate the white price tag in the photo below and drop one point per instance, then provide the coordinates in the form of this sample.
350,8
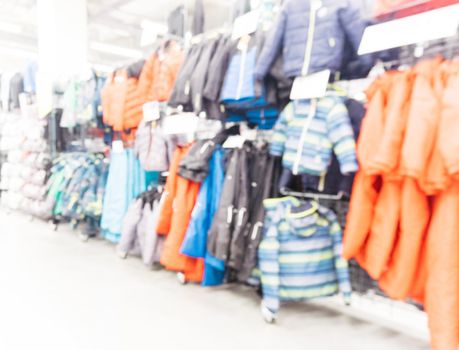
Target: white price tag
151,111
423,27
234,141
245,24
180,124
117,146
310,86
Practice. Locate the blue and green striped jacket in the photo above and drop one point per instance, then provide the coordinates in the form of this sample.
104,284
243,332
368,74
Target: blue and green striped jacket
307,147
300,255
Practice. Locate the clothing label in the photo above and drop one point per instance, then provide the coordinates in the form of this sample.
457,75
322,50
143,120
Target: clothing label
310,86
117,146
151,111
245,24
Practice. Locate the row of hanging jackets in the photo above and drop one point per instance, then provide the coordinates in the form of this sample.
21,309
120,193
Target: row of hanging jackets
127,90
220,218
403,224
75,190
217,78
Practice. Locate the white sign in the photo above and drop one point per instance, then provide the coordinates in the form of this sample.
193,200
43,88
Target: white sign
310,86
151,111
178,124
245,24
431,25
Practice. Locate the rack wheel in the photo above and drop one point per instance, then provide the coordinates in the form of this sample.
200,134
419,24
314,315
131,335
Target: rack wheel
268,315
83,237
122,255
181,278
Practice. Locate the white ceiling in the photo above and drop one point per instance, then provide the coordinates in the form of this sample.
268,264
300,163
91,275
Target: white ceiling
113,22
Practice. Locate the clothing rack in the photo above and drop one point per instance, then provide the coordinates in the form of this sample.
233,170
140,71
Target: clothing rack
311,195
448,48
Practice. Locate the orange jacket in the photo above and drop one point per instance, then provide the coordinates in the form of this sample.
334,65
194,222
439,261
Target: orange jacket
170,190
418,161
449,126
159,73
122,104
113,99
419,258
385,162
178,203
442,282
367,185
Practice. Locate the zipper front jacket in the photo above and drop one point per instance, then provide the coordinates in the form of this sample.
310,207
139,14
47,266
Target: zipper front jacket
309,131
300,255
312,36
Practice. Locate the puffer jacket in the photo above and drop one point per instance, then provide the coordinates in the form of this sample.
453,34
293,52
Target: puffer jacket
154,149
309,130
181,91
327,28
122,103
160,71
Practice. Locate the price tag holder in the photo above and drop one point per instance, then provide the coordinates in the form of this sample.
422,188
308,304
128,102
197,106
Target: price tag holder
310,86
117,146
245,24
151,111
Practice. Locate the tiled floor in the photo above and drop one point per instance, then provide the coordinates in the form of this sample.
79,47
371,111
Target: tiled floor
57,292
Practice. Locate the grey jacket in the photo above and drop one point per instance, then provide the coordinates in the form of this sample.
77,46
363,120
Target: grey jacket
153,148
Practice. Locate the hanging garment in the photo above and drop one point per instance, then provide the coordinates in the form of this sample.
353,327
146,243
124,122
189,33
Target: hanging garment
153,148
176,21
122,103
264,184
216,74
442,283
125,182
335,182
366,185
195,242
170,190
195,165
158,75
218,243
180,95
309,130
198,18
199,76
300,253
325,27
185,194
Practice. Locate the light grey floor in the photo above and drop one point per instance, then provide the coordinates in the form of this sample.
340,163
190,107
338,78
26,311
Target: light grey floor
57,292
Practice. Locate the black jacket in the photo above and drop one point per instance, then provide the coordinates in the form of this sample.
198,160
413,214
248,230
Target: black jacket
195,165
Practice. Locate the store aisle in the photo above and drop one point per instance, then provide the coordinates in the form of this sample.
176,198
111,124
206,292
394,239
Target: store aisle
57,292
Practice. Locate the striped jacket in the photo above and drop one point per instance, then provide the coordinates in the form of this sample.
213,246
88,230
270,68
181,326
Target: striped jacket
300,253
309,130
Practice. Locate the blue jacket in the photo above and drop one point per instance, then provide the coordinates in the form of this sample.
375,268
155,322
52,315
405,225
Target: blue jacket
195,242
300,255
126,180
337,24
307,141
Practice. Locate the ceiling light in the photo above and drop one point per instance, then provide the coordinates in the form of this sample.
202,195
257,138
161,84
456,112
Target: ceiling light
116,50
